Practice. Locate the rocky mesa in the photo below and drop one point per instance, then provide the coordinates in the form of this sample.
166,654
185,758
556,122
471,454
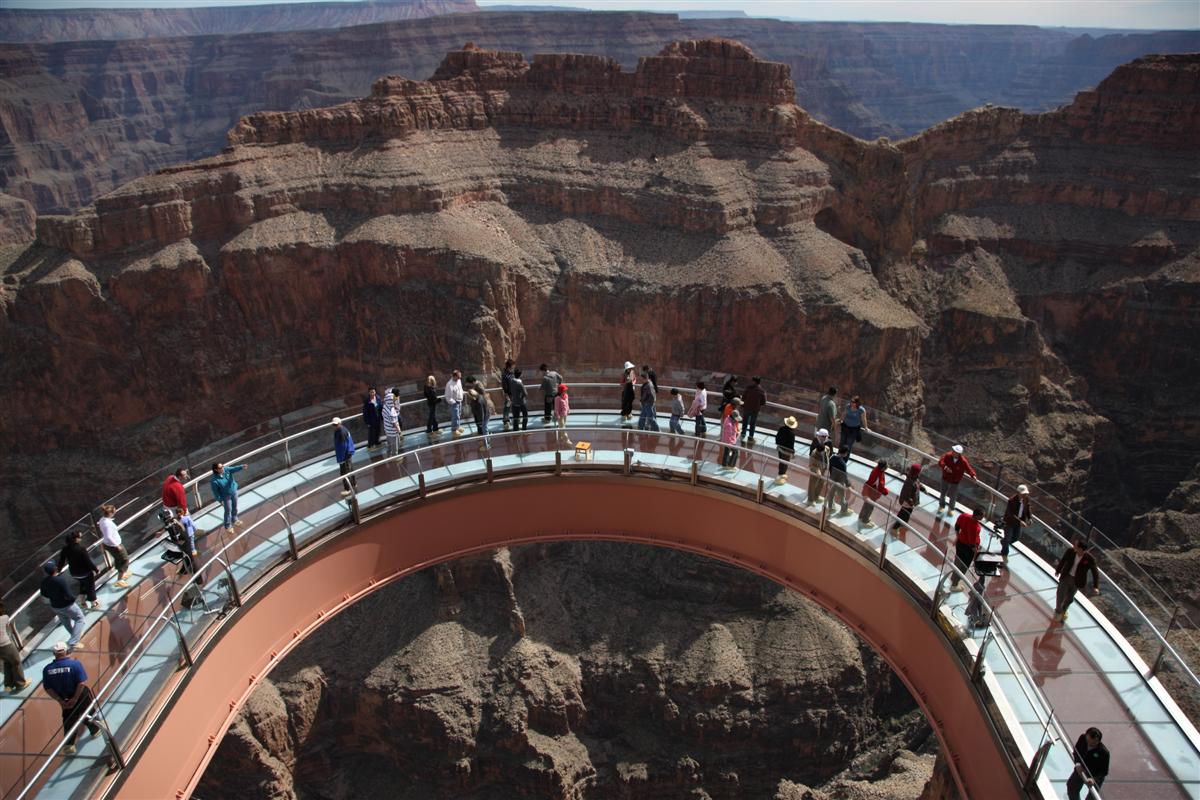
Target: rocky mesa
674,212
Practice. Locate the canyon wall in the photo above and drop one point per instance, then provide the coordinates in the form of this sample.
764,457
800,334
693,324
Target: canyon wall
85,24
638,673
673,213
78,119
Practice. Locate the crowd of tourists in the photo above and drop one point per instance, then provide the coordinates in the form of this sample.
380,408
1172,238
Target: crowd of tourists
830,448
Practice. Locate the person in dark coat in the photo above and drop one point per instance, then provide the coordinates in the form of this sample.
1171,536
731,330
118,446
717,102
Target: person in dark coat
910,498
75,557
432,398
1017,515
753,399
343,451
372,414
1072,572
1091,763
785,446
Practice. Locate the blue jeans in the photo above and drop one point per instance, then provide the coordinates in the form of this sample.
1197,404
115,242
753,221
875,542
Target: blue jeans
230,506
749,425
71,618
647,421
454,408
189,527
676,424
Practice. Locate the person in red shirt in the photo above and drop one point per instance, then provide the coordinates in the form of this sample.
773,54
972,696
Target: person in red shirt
873,489
173,493
954,466
966,543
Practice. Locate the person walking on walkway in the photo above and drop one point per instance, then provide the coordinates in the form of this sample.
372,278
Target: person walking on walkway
910,498
819,453
65,680
224,488
873,489
827,410
628,391
78,561
393,429
551,380
785,446
506,390
955,467
1072,572
58,594
174,494
431,402
854,422
1091,759
520,401
699,405
110,540
562,410
729,437
839,481
676,411
753,399
343,452
649,395
372,415
651,375
966,544
454,399
1017,515
14,672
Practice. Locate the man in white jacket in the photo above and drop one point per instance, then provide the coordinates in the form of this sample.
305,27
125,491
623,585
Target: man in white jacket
454,398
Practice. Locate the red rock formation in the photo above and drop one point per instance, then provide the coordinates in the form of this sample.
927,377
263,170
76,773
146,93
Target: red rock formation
79,24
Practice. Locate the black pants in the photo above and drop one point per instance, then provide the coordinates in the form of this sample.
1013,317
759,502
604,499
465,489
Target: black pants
548,403
431,423
343,469
1075,786
627,403
729,457
749,425
850,435
785,459
520,417
902,517
87,586
964,557
700,426
72,715
1012,535
373,430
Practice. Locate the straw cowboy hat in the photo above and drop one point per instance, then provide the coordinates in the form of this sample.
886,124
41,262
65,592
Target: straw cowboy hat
791,423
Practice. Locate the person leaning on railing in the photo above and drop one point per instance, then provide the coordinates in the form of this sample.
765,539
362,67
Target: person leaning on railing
174,495
1091,759
1017,515
224,488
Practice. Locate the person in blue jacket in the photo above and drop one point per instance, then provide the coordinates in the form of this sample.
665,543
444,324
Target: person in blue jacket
343,450
372,415
224,488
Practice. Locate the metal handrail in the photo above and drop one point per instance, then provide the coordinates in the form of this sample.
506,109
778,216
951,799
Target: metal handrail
339,479
1164,644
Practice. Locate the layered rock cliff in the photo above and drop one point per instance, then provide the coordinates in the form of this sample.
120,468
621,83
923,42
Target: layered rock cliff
82,23
78,119
675,211
641,673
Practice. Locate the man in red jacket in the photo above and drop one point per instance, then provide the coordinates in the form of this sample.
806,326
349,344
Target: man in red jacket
954,466
173,493
966,543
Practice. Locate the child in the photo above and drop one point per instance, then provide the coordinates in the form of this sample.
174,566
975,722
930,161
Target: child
562,409
676,411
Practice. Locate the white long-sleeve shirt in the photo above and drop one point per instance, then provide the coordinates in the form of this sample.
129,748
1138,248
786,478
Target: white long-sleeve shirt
109,534
454,391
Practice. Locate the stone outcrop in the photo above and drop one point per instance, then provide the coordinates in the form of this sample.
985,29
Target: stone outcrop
78,119
642,673
83,24
676,211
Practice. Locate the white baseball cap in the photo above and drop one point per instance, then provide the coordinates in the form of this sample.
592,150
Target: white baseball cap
60,647
1022,489
337,420
822,434
958,448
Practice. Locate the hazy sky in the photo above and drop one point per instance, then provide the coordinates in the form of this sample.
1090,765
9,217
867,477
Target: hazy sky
1153,14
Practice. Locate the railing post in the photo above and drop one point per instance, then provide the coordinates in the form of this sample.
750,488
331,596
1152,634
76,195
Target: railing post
1162,650
421,484
937,590
977,670
196,495
184,650
1038,761
113,750
999,472
824,514
883,549
287,453
695,472
758,494
491,475
628,460
558,462
291,535
233,587
355,513
1091,530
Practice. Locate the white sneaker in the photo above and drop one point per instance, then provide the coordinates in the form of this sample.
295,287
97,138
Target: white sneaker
958,588
345,492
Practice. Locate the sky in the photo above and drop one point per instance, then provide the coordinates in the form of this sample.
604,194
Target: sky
1148,14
